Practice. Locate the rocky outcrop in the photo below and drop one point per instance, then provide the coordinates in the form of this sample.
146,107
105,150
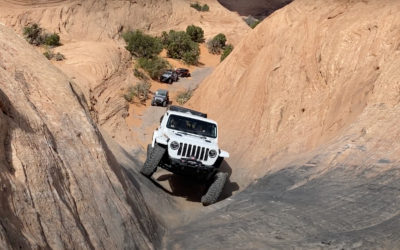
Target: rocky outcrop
60,185
305,74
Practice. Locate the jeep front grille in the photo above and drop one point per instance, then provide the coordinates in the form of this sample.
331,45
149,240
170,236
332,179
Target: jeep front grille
189,150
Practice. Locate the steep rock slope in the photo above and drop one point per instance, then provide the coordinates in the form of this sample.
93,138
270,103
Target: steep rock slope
311,102
95,56
60,185
301,77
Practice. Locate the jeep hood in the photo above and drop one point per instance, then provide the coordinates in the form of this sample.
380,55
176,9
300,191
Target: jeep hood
179,136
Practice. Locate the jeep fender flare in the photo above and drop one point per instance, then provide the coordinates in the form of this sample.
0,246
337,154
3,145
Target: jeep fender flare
223,154
159,138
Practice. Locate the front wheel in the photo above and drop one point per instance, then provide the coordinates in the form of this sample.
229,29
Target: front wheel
152,160
164,104
215,189
170,81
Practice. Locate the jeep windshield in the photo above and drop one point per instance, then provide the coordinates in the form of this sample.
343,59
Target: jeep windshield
192,126
161,93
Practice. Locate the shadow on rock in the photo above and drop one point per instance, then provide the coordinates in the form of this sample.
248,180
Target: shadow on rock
193,190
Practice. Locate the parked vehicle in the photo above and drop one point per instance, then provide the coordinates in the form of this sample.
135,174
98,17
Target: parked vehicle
186,143
161,97
169,76
182,72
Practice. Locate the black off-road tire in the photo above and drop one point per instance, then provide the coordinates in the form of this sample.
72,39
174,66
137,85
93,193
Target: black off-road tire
215,189
164,104
152,161
149,148
170,81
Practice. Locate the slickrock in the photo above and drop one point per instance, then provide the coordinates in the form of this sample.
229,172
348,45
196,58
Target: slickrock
60,185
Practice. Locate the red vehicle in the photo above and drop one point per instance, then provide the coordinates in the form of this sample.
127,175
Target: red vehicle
182,72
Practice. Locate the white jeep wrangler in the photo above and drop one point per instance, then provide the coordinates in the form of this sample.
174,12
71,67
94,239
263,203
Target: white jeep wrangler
186,143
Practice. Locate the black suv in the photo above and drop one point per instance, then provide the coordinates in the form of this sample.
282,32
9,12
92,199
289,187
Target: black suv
161,97
182,72
169,76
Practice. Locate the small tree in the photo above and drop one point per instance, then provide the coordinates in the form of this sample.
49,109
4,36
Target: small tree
181,46
216,44
196,33
154,66
142,45
227,50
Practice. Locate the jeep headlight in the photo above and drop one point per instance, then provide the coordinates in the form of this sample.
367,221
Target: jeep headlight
174,145
213,153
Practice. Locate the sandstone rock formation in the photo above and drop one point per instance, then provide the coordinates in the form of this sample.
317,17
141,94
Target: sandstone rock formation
60,185
95,56
309,107
302,77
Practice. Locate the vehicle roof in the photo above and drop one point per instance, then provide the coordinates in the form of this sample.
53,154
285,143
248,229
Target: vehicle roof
162,91
189,115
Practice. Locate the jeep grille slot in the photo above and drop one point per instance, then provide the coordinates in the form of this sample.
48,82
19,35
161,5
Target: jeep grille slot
188,150
180,148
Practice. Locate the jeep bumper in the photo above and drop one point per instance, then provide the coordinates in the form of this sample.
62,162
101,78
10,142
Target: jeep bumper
190,167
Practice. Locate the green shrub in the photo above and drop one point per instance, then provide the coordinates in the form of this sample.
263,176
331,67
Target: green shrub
33,34
140,91
205,8
181,46
154,66
253,25
196,33
227,50
139,74
198,7
59,56
52,39
164,39
252,21
48,54
217,44
142,45
184,96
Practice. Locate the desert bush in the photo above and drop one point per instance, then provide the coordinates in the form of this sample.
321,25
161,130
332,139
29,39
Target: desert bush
198,7
59,56
181,46
251,21
184,96
164,39
33,34
217,44
142,45
227,50
205,8
49,54
52,39
140,91
196,33
139,74
154,66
